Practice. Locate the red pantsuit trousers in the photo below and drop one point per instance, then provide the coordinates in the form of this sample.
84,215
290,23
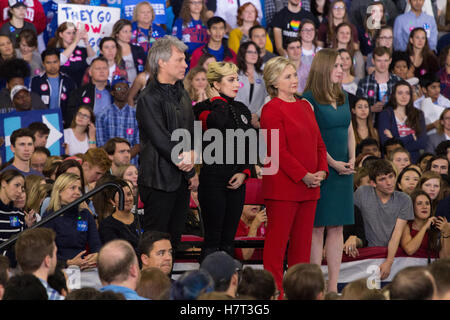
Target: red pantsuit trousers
287,221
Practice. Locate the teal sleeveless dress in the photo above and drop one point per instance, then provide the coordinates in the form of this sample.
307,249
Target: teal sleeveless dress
335,206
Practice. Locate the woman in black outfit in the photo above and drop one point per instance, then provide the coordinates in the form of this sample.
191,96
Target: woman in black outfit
221,190
120,224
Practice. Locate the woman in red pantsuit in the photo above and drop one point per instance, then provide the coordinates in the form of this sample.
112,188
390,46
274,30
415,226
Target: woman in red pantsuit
291,194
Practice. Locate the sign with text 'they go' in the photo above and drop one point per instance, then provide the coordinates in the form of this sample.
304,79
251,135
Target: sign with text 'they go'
98,21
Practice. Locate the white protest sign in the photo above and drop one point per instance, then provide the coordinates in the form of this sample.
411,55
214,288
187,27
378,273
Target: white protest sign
98,21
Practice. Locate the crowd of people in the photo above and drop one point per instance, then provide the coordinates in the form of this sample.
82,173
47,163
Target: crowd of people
353,98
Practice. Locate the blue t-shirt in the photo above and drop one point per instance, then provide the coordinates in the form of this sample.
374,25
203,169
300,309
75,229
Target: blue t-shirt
54,92
219,54
32,171
102,101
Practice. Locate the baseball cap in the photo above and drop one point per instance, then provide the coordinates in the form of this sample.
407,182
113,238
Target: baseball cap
221,266
17,89
16,3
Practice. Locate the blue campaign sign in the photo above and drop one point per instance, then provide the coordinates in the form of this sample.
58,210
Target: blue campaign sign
9,122
159,6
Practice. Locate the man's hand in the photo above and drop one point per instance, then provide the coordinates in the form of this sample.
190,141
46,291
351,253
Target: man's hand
385,269
187,161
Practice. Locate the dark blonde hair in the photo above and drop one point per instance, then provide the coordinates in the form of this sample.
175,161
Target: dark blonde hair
185,12
319,80
188,81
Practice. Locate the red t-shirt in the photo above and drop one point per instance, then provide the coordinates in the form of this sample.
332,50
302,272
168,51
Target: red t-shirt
242,231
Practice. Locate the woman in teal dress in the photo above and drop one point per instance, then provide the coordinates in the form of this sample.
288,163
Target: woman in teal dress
335,207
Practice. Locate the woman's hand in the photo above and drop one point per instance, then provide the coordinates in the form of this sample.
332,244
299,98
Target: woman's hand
312,180
430,221
30,218
261,217
77,260
443,225
90,261
344,168
350,246
91,131
236,181
214,92
388,133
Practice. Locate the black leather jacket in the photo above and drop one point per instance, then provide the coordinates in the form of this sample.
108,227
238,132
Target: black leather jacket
162,108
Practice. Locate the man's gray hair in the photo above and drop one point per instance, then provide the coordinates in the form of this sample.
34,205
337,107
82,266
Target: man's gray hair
162,50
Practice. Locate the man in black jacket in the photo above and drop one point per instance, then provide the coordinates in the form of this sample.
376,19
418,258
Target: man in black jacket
164,106
95,94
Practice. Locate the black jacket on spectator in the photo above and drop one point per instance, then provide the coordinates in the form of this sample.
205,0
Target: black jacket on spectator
162,108
139,57
66,86
84,95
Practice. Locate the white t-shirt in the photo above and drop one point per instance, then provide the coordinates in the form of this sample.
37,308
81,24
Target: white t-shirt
75,146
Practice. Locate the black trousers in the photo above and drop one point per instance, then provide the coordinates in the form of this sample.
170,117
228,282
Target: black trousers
166,211
221,211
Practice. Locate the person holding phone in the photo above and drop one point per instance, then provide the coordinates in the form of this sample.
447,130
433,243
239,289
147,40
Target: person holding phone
253,223
221,190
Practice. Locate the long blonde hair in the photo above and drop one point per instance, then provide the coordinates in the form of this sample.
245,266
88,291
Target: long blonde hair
319,79
61,183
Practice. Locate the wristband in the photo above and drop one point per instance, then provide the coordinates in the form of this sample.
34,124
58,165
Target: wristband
92,142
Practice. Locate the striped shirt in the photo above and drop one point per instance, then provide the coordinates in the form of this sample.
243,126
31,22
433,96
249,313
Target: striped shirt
12,221
52,293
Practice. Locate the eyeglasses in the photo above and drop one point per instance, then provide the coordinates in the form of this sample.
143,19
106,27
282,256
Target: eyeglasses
308,30
386,38
252,52
196,3
339,7
120,89
83,116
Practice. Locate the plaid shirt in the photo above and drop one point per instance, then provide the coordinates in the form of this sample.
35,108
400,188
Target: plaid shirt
115,122
369,89
52,293
270,8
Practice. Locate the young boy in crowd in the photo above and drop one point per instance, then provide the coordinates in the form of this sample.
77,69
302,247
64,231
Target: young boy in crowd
385,211
216,44
432,103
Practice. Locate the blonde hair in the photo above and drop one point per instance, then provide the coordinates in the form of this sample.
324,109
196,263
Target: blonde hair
120,171
36,195
217,71
188,82
272,71
61,183
138,7
319,79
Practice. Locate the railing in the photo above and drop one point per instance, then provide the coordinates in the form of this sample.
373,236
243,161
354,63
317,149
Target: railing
55,214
